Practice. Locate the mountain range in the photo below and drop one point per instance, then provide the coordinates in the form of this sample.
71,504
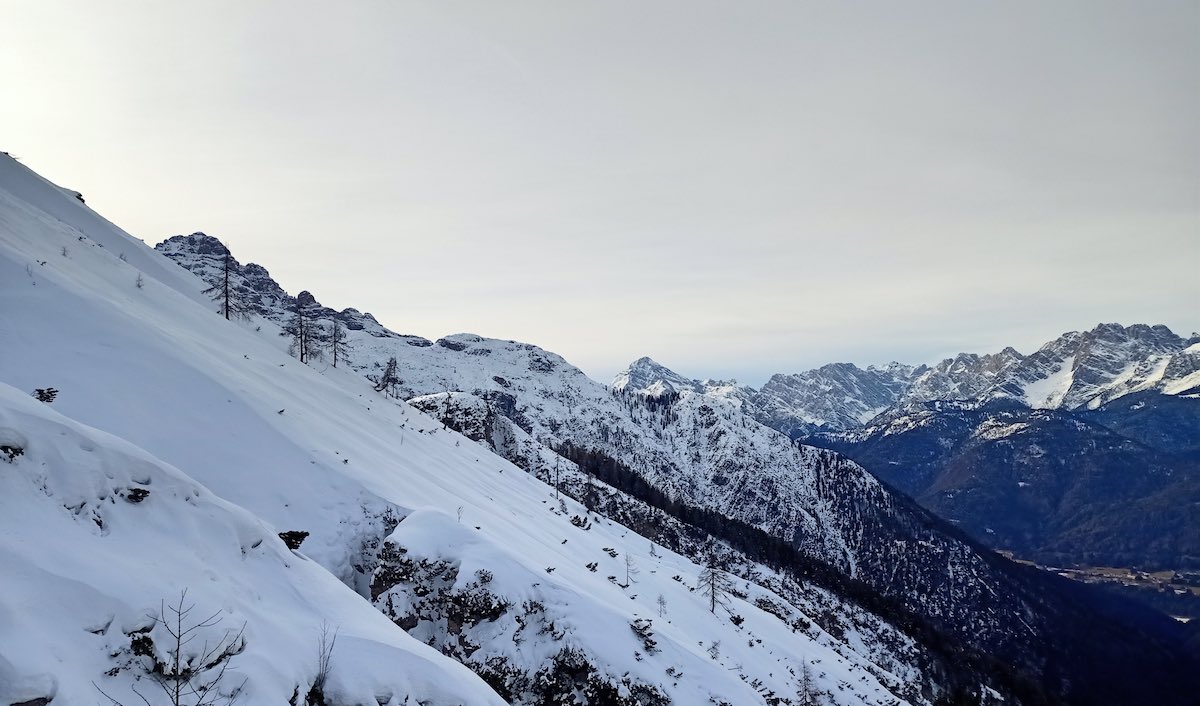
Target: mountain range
1078,370
1084,453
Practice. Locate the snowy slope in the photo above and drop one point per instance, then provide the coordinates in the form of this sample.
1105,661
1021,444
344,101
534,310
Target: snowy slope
375,482
85,564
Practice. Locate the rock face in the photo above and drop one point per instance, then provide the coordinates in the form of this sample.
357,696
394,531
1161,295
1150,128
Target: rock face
1090,368
967,376
834,397
659,447
204,255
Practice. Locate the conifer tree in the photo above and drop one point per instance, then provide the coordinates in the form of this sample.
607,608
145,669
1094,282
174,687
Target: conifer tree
389,377
807,692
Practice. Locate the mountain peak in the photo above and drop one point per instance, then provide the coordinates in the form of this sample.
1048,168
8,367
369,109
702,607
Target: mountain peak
199,243
647,376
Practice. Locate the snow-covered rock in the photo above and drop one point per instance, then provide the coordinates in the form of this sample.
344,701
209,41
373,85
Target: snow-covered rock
833,397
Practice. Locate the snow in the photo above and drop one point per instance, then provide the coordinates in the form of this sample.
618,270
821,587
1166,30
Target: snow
84,566
237,441
993,429
1048,392
1183,384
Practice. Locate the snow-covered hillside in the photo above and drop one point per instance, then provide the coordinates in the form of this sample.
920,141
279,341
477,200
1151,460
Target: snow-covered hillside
237,441
97,533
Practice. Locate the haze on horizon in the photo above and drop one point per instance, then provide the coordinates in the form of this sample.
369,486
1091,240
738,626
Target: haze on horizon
732,190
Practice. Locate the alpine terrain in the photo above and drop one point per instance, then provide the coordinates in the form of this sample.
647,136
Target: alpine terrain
214,488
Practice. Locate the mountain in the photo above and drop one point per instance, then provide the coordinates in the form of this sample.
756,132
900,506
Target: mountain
180,447
1076,370
1079,454
648,377
1054,486
967,376
683,463
1166,423
1090,368
835,396
102,531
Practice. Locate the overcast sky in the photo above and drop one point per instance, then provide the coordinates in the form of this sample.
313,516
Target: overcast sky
731,188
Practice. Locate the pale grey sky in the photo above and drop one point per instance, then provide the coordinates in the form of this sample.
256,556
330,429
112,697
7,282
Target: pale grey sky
732,188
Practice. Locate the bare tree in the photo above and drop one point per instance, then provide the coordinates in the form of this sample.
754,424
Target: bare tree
190,667
337,343
715,585
232,303
316,694
305,333
662,606
631,570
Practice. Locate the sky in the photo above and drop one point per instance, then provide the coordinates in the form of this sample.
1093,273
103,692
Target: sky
733,189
